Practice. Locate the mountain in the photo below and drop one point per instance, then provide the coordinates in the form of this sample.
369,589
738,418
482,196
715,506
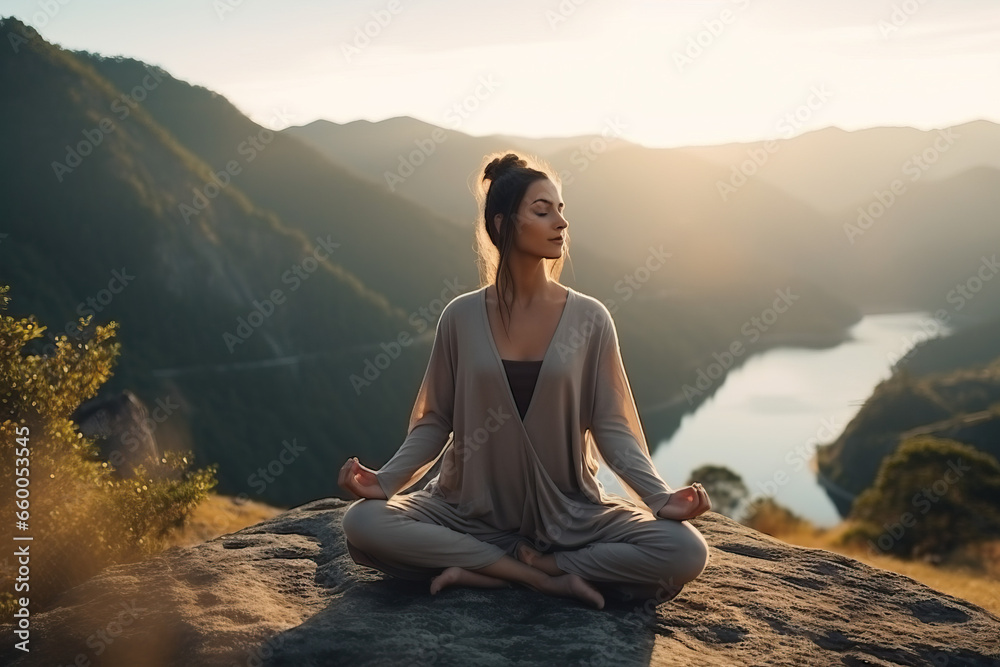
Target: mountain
433,166
936,246
263,289
374,228
885,218
429,165
832,168
974,346
210,126
930,239
247,328
676,317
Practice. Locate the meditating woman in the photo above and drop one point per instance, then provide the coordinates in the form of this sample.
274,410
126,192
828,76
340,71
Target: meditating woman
524,396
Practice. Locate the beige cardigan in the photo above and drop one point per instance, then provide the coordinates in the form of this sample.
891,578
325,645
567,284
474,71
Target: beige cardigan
536,477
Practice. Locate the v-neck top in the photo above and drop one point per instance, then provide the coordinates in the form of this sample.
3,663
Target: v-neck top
534,473
522,376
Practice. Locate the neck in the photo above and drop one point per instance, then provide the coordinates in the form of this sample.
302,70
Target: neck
530,282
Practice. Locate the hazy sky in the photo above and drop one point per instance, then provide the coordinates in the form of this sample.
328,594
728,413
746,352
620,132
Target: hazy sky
666,73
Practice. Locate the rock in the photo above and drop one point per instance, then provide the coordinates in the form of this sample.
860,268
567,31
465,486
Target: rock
120,426
286,592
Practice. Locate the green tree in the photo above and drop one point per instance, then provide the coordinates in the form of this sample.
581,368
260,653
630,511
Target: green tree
725,487
80,517
930,496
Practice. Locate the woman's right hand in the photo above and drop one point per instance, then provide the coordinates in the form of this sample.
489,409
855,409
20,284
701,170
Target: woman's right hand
359,481
686,502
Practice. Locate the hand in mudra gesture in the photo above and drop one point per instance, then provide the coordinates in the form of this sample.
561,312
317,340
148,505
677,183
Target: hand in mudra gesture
359,481
686,503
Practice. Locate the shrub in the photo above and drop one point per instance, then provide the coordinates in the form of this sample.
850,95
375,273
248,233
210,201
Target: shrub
80,516
725,487
767,516
931,496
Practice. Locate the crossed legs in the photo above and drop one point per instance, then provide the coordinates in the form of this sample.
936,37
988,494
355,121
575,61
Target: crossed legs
384,537
631,559
388,539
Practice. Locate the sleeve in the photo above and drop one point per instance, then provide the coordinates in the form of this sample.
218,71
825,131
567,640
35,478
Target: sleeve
431,417
617,430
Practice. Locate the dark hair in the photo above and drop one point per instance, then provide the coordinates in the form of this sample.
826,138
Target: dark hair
505,179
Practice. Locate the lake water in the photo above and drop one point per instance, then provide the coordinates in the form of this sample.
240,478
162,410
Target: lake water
766,419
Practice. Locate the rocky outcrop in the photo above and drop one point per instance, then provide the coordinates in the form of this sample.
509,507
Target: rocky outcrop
120,426
286,592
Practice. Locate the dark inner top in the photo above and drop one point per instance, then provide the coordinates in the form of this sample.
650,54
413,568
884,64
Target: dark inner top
521,376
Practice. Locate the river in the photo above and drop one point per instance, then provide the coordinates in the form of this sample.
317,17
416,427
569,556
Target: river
766,419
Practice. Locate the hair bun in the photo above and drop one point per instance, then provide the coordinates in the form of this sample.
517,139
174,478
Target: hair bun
501,165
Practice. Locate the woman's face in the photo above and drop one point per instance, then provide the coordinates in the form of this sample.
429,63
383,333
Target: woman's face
540,220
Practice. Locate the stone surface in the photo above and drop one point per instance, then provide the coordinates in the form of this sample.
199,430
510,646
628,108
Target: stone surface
120,425
286,592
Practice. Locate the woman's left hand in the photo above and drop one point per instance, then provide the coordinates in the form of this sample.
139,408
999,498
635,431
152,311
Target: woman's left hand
686,503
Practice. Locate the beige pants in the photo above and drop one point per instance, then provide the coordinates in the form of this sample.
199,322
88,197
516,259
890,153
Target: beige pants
636,557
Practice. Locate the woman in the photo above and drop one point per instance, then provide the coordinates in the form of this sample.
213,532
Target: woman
524,396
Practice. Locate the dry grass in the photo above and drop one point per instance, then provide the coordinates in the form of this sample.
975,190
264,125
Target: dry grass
219,515
973,575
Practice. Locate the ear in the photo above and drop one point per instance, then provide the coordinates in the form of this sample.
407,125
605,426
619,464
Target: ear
496,222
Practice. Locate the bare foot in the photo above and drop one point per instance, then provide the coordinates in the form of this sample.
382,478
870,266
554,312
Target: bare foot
459,576
566,585
575,586
545,562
